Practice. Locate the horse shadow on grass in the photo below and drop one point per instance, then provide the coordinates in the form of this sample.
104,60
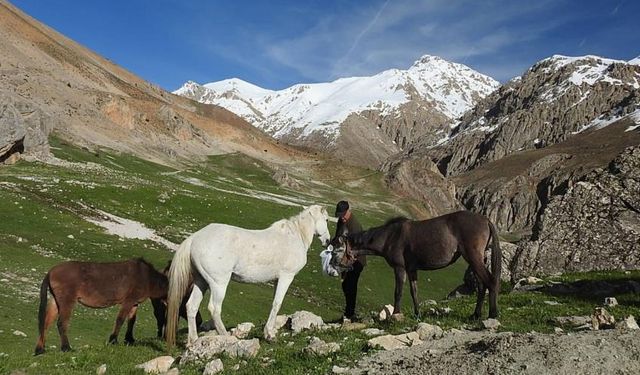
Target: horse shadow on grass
595,290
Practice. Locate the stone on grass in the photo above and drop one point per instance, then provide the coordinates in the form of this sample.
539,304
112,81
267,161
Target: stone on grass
397,317
207,347
385,313
610,302
339,370
157,365
213,367
19,333
242,330
491,324
244,348
303,320
102,369
574,321
628,323
429,331
319,347
602,319
392,342
173,371
373,332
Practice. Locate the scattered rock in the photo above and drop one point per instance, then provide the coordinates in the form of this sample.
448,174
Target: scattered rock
319,347
610,302
242,330
373,332
574,321
385,313
207,347
491,324
391,342
157,365
429,331
244,348
19,333
552,303
602,319
302,320
173,371
102,369
628,323
558,330
213,367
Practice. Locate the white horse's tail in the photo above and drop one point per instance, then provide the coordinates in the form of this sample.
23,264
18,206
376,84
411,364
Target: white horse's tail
179,277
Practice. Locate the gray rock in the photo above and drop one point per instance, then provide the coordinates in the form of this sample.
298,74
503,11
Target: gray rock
242,330
574,321
491,324
244,348
628,323
602,319
610,302
213,367
319,347
102,369
392,342
303,320
157,365
429,331
373,332
207,347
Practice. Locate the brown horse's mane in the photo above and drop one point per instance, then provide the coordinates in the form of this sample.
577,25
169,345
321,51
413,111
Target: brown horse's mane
368,235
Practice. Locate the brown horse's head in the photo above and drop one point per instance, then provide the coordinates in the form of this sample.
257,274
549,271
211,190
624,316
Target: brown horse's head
342,257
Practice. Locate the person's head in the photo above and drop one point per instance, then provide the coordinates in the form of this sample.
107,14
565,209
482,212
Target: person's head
342,208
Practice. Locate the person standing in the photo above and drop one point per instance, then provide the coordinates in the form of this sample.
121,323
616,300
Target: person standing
347,223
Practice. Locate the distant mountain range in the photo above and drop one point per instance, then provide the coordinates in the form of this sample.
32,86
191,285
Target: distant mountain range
430,94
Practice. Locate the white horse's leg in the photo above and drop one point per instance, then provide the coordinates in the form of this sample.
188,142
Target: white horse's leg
193,304
218,291
281,289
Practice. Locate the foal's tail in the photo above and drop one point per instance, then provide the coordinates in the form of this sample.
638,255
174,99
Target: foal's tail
496,257
42,310
179,277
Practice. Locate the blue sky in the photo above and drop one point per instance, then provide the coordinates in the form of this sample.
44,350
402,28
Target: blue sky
275,44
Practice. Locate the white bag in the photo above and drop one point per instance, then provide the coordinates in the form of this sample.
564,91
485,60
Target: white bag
327,268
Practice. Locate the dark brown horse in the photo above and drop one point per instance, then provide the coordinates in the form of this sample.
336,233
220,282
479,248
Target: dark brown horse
97,285
409,246
160,307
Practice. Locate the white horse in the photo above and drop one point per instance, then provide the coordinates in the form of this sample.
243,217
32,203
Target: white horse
218,252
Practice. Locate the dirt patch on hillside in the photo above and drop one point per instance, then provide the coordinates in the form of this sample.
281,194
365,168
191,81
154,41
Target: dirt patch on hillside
593,352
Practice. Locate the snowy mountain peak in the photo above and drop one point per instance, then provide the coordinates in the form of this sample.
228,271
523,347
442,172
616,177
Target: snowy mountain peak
303,109
635,61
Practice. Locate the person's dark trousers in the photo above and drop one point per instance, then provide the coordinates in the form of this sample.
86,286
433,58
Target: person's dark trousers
350,289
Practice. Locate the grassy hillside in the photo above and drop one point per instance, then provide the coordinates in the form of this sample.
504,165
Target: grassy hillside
43,209
42,222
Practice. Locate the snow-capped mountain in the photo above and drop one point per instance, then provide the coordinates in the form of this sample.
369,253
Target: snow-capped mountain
303,110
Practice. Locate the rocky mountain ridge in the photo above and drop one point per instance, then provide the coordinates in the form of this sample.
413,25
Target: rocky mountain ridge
388,110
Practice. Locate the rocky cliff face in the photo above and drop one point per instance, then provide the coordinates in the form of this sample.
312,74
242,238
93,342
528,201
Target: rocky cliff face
594,226
555,99
24,129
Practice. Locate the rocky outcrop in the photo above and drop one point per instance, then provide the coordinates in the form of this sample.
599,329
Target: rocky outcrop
420,178
594,226
24,129
554,99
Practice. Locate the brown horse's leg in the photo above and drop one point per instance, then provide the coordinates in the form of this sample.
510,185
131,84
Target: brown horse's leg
413,283
51,315
400,277
160,312
128,337
65,307
482,290
476,262
122,314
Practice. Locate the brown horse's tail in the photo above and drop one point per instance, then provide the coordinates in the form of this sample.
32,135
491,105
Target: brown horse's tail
496,257
179,277
42,310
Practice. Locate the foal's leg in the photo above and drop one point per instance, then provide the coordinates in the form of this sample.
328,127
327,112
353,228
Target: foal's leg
413,283
51,315
218,291
193,304
282,285
160,312
128,337
400,278
122,315
65,307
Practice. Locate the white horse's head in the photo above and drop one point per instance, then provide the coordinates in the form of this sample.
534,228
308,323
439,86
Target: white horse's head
320,228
